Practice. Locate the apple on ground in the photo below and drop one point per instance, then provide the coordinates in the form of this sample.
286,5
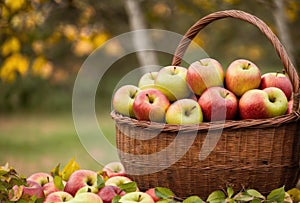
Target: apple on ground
136,197
150,104
151,192
171,81
218,103
266,103
117,180
203,74
108,192
59,196
86,197
242,75
184,111
31,189
41,178
123,99
279,80
79,179
147,80
114,169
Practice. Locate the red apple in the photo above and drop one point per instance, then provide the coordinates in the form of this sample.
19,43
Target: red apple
266,103
218,103
31,189
41,178
203,74
151,192
59,196
80,179
242,75
114,169
50,188
117,180
86,197
150,104
279,80
108,192
290,107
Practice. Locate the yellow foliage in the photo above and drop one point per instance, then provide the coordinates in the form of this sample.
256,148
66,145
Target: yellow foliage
15,5
11,45
70,32
292,11
4,12
100,39
69,169
83,46
16,63
38,46
42,67
161,9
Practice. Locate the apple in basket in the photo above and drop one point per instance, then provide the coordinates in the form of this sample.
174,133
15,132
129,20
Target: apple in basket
147,80
184,111
123,99
171,81
203,74
242,75
218,103
132,197
150,104
279,80
266,103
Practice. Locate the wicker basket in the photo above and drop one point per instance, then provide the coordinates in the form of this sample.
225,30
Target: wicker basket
262,154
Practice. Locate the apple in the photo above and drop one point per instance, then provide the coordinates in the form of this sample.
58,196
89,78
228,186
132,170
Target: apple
41,178
49,188
151,192
147,80
242,75
59,196
108,192
171,81
117,180
203,74
114,169
123,99
218,103
279,80
26,191
266,103
136,197
290,107
86,197
80,179
150,104
184,111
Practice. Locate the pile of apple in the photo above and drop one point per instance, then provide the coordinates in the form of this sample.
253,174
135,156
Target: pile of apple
206,92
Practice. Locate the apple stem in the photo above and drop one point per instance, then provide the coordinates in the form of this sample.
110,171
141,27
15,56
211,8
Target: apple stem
48,179
139,198
249,64
149,98
283,71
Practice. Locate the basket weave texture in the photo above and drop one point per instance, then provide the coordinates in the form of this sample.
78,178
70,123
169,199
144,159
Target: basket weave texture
256,153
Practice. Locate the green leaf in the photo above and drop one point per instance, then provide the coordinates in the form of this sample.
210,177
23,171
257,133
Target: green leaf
230,192
255,200
255,193
55,171
100,182
276,195
216,197
116,199
58,182
128,187
164,193
243,196
193,199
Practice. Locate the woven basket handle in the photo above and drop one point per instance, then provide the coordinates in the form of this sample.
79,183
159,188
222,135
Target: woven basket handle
203,22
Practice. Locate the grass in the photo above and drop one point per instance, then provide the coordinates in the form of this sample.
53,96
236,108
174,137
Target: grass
38,142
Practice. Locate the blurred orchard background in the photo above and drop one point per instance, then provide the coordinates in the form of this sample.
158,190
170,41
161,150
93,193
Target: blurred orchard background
43,44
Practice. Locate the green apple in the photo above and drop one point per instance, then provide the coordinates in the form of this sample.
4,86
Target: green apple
117,180
171,81
266,103
242,75
184,111
203,74
133,197
115,168
123,99
147,80
86,197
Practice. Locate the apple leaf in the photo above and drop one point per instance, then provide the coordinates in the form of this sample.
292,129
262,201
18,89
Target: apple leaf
276,195
58,182
255,193
216,197
69,169
100,182
243,196
164,193
128,187
56,171
116,199
193,199
230,192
